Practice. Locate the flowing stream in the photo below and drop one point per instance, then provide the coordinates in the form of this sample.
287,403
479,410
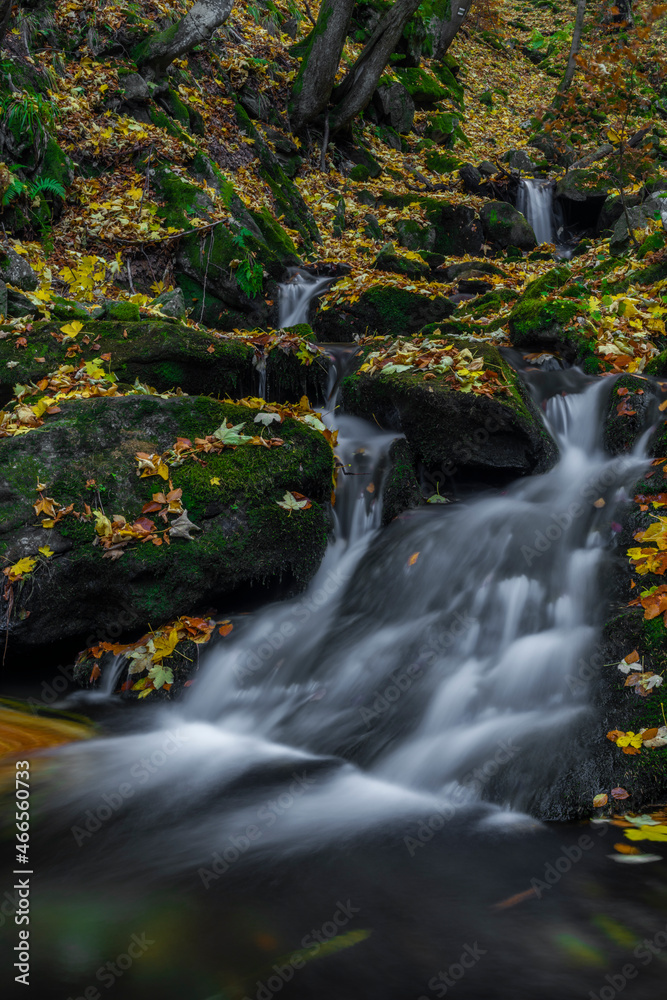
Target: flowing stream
420,658
360,766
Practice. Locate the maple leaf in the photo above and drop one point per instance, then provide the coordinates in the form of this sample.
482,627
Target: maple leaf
182,527
46,551
72,329
161,676
20,569
164,645
230,435
294,501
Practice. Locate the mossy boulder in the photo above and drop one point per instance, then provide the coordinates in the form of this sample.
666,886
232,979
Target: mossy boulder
454,434
401,490
414,236
581,185
640,398
504,226
394,106
389,260
160,353
424,88
246,542
537,322
383,310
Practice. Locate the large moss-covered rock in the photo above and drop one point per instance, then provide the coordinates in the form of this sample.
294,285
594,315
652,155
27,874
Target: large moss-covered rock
551,323
389,260
454,434
423,88
383,310
581,185
160,353
394,106
245,542
632,406
504,226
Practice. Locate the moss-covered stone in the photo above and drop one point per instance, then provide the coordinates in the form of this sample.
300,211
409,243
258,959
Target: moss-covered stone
401,490
389,260
383,310
423,88
542,322
504,226
164,355
246,540
461,433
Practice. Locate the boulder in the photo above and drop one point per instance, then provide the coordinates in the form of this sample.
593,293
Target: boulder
518,159
582,185
242,539
414,236
394,106
171,303
619,241
504,226
16,271
612,210
456,434
553,150
382,310
389,260
423,88
471,177
162,354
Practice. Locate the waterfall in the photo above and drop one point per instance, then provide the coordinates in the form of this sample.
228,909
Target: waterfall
535,201
439,649
296,296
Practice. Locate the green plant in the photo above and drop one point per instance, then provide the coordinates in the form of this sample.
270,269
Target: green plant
28,112
249,274
30,189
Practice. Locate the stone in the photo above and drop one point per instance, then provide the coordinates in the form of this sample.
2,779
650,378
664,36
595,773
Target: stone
619,241
382,310
388,260
171,303
16,271
135,87
395,106
519,160
504,226
471,177
245,539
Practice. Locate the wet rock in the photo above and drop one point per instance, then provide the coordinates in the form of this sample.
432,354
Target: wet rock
553,150
77,595
504,226
471,177
382,310
612,210
620,241
582,185
453,434
518,159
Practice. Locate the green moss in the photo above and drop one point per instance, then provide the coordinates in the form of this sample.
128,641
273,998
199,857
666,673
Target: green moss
359,173
122,312
549,282
655,241
442,163
422,87
454,89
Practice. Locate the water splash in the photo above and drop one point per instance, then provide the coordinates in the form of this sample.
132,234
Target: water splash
296,296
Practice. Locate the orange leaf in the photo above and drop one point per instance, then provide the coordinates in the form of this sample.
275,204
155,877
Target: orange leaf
95,674
413,559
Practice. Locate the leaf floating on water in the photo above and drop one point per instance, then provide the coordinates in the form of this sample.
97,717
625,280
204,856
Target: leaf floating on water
626,849
413,559
225,628
657,833
600,503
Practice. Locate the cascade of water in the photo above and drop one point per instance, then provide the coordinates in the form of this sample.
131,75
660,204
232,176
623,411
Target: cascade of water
438,651
296,296
535,201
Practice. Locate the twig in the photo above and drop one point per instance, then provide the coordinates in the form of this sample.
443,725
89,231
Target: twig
325,143
129,275
203,296
147,185
172,236
309,13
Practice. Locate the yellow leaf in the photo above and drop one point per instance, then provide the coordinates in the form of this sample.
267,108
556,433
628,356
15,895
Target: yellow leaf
46,551
164,645
72,329
215,481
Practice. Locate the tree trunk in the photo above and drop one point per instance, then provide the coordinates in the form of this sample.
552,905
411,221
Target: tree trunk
155,54
5,14
624,16
315,80
356,90
574,49
459,12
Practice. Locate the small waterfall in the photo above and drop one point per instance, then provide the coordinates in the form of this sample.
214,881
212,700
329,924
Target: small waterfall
416,657
296,296
535,201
